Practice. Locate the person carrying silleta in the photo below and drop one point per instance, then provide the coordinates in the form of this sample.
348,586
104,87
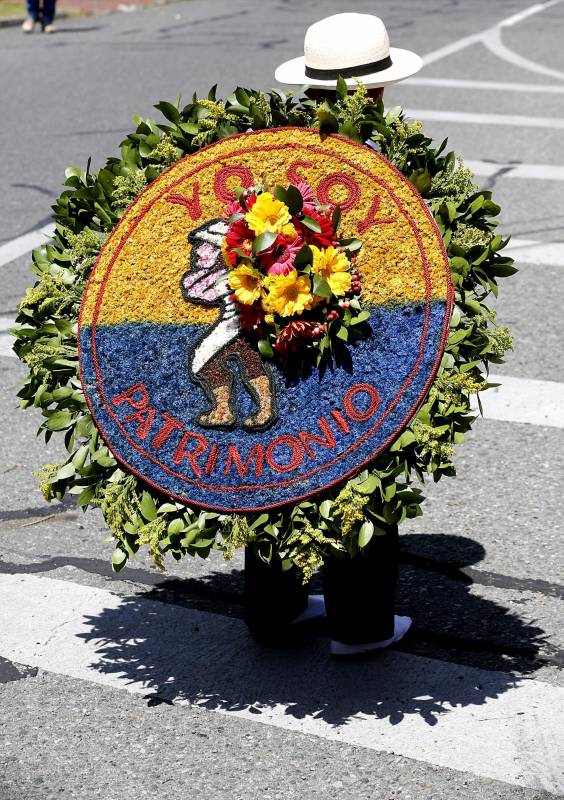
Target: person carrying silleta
358,593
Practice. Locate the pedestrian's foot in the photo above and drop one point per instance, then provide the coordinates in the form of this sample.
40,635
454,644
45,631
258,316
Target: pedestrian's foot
28,25
315,609
49,28
401,627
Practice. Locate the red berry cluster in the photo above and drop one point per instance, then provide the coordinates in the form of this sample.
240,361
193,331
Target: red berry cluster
356,285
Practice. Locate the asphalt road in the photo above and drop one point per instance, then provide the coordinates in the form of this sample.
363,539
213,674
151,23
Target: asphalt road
105,695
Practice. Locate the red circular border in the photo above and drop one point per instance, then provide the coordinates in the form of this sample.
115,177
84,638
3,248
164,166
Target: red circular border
136,220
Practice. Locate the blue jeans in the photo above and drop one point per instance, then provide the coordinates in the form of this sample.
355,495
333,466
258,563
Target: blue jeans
44,11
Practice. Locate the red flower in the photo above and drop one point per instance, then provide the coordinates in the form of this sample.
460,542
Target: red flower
238,237
324,238
250,317
293,333
250,200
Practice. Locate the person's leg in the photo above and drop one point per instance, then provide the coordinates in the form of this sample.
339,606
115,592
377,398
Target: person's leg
32,16
273,598
360,592
48,12
33,9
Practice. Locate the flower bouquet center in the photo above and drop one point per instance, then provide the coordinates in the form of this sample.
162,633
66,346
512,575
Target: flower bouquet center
294,280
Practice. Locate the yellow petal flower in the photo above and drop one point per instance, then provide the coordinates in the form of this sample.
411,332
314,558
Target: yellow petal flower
288,294
340,283
332,265
246,282
267,215
289,232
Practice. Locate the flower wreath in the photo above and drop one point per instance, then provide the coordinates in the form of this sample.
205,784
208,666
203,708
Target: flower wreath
343,519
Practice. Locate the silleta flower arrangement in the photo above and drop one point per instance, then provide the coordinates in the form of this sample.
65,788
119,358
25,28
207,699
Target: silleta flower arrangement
294,280
97,221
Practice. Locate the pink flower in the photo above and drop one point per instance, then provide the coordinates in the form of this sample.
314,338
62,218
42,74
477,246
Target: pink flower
232,207
235,207
279,258
307,194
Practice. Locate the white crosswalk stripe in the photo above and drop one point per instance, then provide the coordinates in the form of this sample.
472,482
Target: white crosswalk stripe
471,118
6,339
25,244
510,727
489,86
524,400
530,251
538,172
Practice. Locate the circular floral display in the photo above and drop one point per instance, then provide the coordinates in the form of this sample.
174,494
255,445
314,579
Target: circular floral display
266,317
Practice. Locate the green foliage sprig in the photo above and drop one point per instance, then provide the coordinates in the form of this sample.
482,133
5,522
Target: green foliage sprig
342,520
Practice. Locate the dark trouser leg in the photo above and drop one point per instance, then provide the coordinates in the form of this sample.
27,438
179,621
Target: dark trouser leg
360,592
272,598
48,11
33,9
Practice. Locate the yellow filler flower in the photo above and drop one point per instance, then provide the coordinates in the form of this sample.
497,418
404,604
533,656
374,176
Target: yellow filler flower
332,265
246,282
288,294
268,215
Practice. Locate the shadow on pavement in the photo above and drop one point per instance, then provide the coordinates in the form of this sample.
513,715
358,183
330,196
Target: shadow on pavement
179,653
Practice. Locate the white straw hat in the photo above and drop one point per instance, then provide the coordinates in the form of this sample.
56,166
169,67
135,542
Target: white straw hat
351,45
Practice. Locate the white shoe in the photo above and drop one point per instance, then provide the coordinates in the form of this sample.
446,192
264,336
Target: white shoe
49,28
401,627
315,609
28,25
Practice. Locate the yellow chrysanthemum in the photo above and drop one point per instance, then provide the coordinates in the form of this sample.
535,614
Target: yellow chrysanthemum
267,215
289,232
288,294
246,282
333,265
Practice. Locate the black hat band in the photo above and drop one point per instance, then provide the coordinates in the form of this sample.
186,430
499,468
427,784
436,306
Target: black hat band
348,72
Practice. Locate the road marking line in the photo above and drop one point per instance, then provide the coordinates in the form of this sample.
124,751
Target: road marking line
25,244
6,338
501,52
470,118
456,83
530,251
540,172
485,723
524,400
450,49
6,344
492,41
527,12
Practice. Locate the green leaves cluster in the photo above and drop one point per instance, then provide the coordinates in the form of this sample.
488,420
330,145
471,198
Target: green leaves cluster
344,519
